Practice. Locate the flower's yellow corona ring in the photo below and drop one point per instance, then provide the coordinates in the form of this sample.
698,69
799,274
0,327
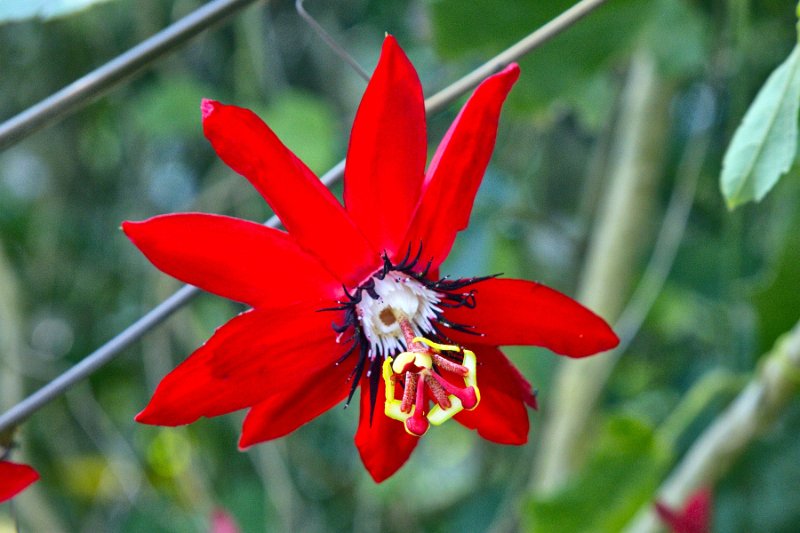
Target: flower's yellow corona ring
438,414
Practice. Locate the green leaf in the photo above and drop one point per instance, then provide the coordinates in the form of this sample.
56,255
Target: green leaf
576,67
13,10
483,27
677,58
619,478
764,145
777,307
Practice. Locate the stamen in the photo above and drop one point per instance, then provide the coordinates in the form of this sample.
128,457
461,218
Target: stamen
437,390
423,383
450,366
410,391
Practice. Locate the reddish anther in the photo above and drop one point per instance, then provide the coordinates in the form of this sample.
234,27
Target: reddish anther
409,393
439,394
450,366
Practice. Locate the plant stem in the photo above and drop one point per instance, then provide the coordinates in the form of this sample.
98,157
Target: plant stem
85,89
615,250
775,385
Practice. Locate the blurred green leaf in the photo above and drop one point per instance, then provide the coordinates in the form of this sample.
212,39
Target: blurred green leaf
169,453
88,477
777,307
483,27
619,478
764,145
13,10
580,56
676,57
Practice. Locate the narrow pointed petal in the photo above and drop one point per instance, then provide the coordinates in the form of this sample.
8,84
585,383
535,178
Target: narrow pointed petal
245,362
457,168
698,511
386,158
223,522
671,518
384,445
288,409
694,518
512,312
14,478
233,258
311,214
501,415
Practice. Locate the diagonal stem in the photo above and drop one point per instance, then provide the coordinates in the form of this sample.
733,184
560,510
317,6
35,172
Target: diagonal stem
329,40
111,349
83,90
616,247
773,388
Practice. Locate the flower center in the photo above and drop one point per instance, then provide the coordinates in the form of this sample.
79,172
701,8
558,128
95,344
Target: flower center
391,322
396,317
395,295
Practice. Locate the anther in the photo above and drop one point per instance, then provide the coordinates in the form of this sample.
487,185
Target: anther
410,392
450,366
438,391
421,365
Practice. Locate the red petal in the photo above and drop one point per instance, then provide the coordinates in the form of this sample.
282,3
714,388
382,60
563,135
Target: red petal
519,312
672,519
288,409
386,158
457,169
251,357
14,478
698,511
501,415
223,522
695,516
311,214
384,445
233,258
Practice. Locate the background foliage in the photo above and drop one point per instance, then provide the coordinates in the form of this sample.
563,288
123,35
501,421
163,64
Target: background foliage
69,280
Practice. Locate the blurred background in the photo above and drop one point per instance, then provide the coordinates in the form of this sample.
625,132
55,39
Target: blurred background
640,98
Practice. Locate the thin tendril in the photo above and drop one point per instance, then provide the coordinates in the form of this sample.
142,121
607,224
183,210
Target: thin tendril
329,40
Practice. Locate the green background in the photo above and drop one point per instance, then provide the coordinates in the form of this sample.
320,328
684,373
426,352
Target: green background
70,280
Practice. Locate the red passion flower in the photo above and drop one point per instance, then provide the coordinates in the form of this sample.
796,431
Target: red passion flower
695,517
350,296
14,478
